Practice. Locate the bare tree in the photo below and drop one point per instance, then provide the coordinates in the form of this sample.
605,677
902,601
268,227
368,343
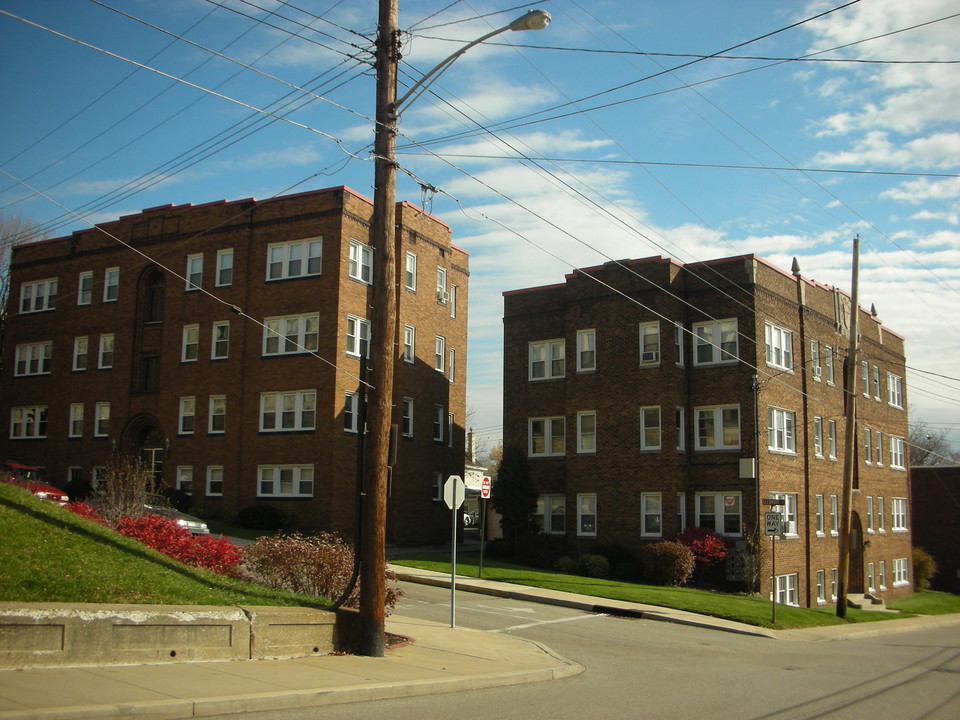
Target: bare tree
929,445
124,487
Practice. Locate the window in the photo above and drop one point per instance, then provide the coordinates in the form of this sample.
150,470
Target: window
111,284
870,526
818,514
878,448
834,582
105,361
651,509
895,390
101,426
586,432
214,480
547,436
407,418
897,457
439,353
187,416
681,512
220,344
815,360
451,364
288,411
718,428
185,479
821,587
224,267
453,301
291,334
900,572
828,363
38,296
818,437
678,344
650,428
650,343
865,378
191,343
547,359
438,487
881,523
586,350
33,359
80,345
832,438
867,446
681,430
871,577
409,344
149,376
194,272
781,430
410,274
442,295
788,510
587,514
450,429
834,516
787,590
898,514
551,514
361,262
217,421
351,412
883,575
719,512
99,476
779,346
715,342
438,418
76,420
285,481
85,288
294,259
154,293
358,336
876,383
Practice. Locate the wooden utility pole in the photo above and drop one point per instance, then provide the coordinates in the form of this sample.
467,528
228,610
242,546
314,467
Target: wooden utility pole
382,342
850,439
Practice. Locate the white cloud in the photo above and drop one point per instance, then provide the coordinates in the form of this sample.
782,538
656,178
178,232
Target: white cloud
922,189
875,149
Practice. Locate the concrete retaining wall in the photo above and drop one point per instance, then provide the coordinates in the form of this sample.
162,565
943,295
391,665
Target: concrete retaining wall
48,634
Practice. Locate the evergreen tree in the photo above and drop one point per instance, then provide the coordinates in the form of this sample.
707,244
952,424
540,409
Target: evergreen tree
514,495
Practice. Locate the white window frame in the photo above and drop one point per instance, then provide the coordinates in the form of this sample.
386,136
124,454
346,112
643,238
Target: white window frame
351,412
111,284
649,333
28,421
820,526
187,415
224,267
883,574
85,288
781,430
453,300
898,515
451,364
821,587
291,334
834,516
406,427
437,486
894,390
586,350
897,452
38,296
828,355
439,353
220,340
818,437
439,416
881,523
410,272
584,527
553,436
190,349
551,514
81,352
876,383
878,448
442,294
274,475
546,360
680,418
651,428
358,336
778,346
871,528
722,351
194,272
33,359
721,501
871,577
107,348
815,368
681,512
288,411
718,415
290,260
409,344
832,439
788,511
76,420
900,572
867,446
678,337
651,514
865,378
834,583
214,480
184,479
217,415
101,420
786,588
360,266
587,431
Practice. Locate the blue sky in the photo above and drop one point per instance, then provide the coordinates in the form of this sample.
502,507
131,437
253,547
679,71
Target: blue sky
646,141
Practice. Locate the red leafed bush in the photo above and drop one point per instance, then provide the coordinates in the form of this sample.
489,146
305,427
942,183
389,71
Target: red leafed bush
164,535
319,565
86,510
708,547
214,553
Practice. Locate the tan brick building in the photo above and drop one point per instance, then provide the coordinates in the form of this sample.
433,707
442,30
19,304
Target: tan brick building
652,396
223,343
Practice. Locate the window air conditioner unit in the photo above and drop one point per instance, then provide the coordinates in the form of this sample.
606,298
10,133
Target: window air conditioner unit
442,297
651,356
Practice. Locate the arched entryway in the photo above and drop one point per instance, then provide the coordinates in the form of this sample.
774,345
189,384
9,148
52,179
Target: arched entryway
855,572
145,439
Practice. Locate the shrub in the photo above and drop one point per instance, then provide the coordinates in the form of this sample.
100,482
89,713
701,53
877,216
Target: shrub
205,510
666,563
595,566
501,548
924,568
177,498
615,554
566,564
627,571
86,510
319,565
261,517
78,489
124,488
708,547
540,550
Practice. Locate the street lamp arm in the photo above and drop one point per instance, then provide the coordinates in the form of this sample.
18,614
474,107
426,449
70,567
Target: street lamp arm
533,20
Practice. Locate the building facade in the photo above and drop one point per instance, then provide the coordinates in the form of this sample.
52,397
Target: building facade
224,344
652,396
935,517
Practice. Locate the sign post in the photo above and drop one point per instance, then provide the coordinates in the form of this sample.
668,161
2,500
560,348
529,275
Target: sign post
484,497
454,492
773,526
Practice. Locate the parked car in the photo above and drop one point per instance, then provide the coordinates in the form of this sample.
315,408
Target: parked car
26,477
471,518
159,505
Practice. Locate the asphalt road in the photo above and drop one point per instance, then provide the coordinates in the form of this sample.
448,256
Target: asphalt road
648,669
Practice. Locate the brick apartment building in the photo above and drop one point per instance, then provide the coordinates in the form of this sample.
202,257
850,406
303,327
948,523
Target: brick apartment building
222,343
652,396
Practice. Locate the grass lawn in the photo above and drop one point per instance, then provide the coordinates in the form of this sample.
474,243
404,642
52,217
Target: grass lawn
48,554
741,608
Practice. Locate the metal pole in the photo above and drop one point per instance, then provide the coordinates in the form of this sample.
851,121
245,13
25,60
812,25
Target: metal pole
773,578
483,533
453,560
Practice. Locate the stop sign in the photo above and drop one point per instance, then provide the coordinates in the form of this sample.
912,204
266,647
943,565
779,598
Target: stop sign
485,488
454,492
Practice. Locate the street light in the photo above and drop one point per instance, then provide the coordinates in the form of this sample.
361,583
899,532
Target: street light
383,345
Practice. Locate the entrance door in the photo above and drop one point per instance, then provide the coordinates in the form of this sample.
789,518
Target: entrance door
151,452
855,574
